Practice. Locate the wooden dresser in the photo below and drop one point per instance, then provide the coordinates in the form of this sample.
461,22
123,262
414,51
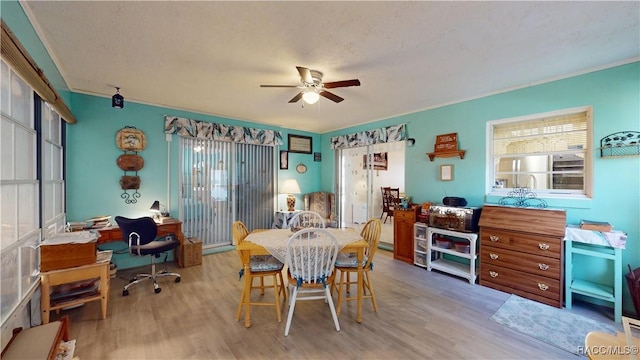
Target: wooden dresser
521,252
403,221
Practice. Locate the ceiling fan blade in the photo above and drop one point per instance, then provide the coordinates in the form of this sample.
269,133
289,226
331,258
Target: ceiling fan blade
305,74
330,96
296,98
344,83
280,86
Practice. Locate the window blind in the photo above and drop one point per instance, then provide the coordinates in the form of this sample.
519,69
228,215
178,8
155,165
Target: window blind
551,134
17,56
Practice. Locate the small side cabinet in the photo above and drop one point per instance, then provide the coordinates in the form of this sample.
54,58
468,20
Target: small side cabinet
403,220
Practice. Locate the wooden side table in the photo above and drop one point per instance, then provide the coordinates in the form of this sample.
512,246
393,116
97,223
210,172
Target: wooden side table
65,276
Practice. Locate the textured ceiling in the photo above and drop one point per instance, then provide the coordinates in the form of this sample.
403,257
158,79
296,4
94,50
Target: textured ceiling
210,57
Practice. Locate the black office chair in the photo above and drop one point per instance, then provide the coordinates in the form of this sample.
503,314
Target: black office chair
140,234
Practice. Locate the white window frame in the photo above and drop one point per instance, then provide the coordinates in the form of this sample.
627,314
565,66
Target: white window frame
53,183
22,232
491,190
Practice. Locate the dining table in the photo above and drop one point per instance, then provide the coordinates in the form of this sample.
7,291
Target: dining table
274,242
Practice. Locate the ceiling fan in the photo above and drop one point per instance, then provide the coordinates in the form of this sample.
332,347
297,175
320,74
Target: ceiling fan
313,87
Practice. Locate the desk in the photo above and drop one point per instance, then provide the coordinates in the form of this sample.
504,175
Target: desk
248,248
168,227
64,276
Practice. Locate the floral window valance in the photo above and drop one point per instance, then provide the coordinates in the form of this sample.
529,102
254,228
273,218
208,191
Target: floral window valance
370,137
214,131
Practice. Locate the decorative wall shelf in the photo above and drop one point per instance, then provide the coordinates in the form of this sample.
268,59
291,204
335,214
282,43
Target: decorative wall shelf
620,144
434,155
446,146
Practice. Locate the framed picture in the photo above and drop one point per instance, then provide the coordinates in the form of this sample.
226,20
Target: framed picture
300,144
446,172
284,160
317,156
379,161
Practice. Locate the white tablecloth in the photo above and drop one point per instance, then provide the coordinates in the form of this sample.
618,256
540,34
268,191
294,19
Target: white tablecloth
275,240
613,238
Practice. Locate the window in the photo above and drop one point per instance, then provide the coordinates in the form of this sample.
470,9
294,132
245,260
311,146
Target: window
32,195
53,210
548,153
19,188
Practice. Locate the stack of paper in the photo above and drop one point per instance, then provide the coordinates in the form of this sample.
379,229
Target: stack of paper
98,222
76,237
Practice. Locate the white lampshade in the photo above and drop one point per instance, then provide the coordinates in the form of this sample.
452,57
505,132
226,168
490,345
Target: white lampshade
310,97
290,186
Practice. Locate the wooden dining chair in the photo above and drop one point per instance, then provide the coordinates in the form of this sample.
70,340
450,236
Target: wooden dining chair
626,343
348,263
311,256
390,201
307,219
261,266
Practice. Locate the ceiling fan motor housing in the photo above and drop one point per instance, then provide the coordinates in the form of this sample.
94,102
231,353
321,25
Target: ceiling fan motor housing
316,76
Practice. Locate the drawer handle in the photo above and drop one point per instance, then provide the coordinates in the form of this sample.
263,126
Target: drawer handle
494,238
493,274
493,256
543,266
543,287
543,246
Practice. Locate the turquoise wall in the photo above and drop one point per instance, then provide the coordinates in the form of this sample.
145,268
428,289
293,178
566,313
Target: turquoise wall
614,94
92,174
93,177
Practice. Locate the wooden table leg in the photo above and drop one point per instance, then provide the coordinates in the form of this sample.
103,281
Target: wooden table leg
104,288
247,288
360,284
177,252
45,300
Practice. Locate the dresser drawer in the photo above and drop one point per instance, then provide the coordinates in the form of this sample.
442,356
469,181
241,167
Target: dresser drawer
407,215
167,229
528,243
533,284
533,264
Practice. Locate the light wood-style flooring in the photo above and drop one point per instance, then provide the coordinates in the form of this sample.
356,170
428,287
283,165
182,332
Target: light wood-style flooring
422,315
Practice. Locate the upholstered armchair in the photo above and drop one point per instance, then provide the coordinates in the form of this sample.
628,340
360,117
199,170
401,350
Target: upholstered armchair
324,204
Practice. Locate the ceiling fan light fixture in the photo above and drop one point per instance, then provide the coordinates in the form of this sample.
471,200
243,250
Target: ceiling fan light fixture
310,97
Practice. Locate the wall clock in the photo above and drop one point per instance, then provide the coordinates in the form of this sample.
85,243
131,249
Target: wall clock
301,168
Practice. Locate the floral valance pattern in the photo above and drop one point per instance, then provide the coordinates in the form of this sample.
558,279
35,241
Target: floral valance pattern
223,132
370,137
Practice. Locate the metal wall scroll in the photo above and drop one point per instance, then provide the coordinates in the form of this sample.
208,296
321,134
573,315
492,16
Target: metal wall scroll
623,143
522,197
130,140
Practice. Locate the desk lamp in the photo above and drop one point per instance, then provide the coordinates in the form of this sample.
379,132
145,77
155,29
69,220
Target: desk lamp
290,187
158,214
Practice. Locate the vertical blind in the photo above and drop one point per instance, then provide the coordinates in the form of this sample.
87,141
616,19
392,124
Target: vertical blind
222,181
